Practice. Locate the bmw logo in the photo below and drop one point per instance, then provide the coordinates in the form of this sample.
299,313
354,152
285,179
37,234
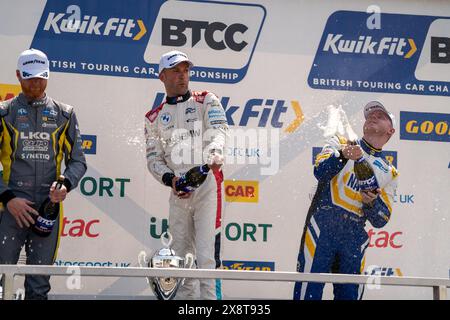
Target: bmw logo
166,118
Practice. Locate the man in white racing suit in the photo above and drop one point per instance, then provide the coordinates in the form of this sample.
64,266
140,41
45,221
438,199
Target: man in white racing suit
187,130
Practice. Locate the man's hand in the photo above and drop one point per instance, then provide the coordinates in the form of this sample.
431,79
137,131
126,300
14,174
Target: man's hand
179,194
57,195
21,210
352,152
215,161
369,197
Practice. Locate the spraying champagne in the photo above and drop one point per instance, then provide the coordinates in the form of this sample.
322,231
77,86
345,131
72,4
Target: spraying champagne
338,123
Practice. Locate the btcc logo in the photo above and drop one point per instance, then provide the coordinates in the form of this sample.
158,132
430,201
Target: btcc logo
440,50
366,45
231,28
72,22
174,34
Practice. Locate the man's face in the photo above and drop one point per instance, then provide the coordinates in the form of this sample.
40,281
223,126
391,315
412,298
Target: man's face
33,88
378,123
176,79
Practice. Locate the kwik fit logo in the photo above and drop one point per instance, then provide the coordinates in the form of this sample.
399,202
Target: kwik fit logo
73,22
136,33
337,44
404,54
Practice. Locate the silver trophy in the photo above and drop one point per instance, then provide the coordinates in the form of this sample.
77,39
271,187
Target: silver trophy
165,288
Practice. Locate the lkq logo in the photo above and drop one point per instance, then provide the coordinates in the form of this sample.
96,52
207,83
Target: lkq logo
205,29
390,59
137,33
248,265
425,126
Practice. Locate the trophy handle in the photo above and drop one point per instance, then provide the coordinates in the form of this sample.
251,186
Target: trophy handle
189,260
144,263
142,259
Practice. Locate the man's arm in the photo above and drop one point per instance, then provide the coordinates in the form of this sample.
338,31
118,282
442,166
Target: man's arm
379,211
75,160
216,126
156,163
331,160
6,194
21,209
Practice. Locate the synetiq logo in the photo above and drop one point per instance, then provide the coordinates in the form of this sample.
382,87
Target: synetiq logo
127,38
408,54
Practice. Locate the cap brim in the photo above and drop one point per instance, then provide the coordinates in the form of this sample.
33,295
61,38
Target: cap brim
177,63
382,109
35,74
374,108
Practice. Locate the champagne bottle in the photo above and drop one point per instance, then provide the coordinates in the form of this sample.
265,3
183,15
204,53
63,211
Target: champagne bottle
48,213
192,179
365,175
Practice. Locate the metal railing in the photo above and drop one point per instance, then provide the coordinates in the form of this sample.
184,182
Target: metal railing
439,285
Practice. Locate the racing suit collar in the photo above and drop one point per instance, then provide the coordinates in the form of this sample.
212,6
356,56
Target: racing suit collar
36,103
367,147
178,99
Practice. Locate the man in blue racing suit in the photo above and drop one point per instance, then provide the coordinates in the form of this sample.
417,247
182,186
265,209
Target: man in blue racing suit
334,239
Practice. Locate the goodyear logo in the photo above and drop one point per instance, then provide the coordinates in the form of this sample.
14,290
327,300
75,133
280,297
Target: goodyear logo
425,126
9,91
248,265
89,144
389,156
411,56
241,191
136,33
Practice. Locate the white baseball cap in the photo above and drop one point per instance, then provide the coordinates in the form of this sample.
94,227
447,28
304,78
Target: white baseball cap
33,63
171,59
376,105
